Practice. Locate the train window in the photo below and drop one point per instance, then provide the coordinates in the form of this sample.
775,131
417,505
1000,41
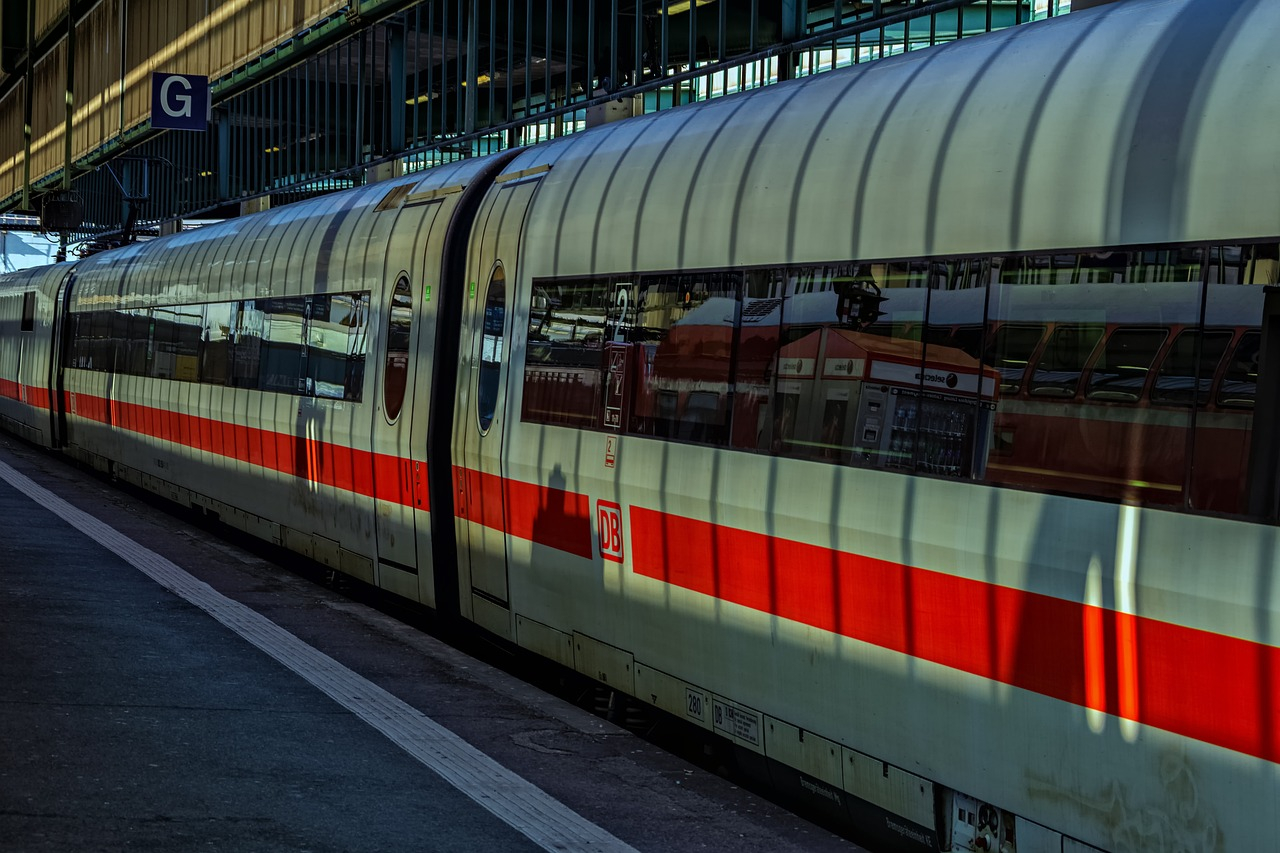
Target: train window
281,367
564,357
1121,370
176,349
1186,372
215,344
29,311
246,352
1057,373
396,368
335,345
1240,383
670,351
759,338
78,346
102,353
830,324
491,348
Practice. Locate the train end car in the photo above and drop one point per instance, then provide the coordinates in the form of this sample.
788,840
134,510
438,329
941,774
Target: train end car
30,303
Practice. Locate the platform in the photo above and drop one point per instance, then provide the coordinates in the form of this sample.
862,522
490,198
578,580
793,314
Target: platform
164,689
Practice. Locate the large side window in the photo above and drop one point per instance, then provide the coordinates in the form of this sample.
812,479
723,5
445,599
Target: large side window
399,326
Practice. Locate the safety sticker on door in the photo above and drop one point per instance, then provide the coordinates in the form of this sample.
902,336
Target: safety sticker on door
609,530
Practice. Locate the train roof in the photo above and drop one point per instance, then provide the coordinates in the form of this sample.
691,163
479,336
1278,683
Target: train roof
1143,122
288,250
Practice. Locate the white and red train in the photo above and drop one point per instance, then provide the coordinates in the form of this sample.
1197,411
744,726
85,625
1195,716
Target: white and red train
893,424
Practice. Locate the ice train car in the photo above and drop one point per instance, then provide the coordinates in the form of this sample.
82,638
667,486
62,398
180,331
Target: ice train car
896,425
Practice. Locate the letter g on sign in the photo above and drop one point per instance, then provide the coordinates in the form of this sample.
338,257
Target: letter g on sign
179,101
176,105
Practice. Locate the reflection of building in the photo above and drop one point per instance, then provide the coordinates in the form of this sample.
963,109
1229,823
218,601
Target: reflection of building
20,250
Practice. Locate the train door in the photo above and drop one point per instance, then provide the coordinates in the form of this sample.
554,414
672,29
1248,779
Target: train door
59,337
482,499
399,479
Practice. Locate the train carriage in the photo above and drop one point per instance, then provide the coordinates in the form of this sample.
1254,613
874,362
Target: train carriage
29,302
905,426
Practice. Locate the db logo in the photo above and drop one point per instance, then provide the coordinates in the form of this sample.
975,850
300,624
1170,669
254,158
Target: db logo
609,530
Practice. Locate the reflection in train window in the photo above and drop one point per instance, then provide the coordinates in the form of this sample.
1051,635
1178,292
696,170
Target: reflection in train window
137,342
563,359
221,343
215,349
1011,349
176,347
491,347
282,345
758,340
1057,373
246,360
669,354
335,345
1189,367
1120,372
396,370
1240,383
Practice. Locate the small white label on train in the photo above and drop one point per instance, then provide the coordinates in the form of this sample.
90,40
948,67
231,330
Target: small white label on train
744,725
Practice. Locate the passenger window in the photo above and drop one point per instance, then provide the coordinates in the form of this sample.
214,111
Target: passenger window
215,346
1240,384
396,369
29,311
491,346
138,355
564,357
1121,371
281,367
759,338
1179,380
246,357
1057,374
335,350
670,349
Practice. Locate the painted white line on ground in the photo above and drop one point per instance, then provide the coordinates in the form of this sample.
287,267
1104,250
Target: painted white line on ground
525,807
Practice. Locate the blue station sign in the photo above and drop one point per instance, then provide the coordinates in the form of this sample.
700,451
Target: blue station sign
179,101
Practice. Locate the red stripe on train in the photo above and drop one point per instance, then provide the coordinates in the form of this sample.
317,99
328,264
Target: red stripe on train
1206,686
32,395
388,478
544,515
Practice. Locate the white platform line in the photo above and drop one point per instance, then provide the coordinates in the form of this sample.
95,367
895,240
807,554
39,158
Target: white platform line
525,807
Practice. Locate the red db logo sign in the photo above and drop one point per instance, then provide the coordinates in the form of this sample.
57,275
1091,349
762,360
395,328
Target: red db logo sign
609,530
